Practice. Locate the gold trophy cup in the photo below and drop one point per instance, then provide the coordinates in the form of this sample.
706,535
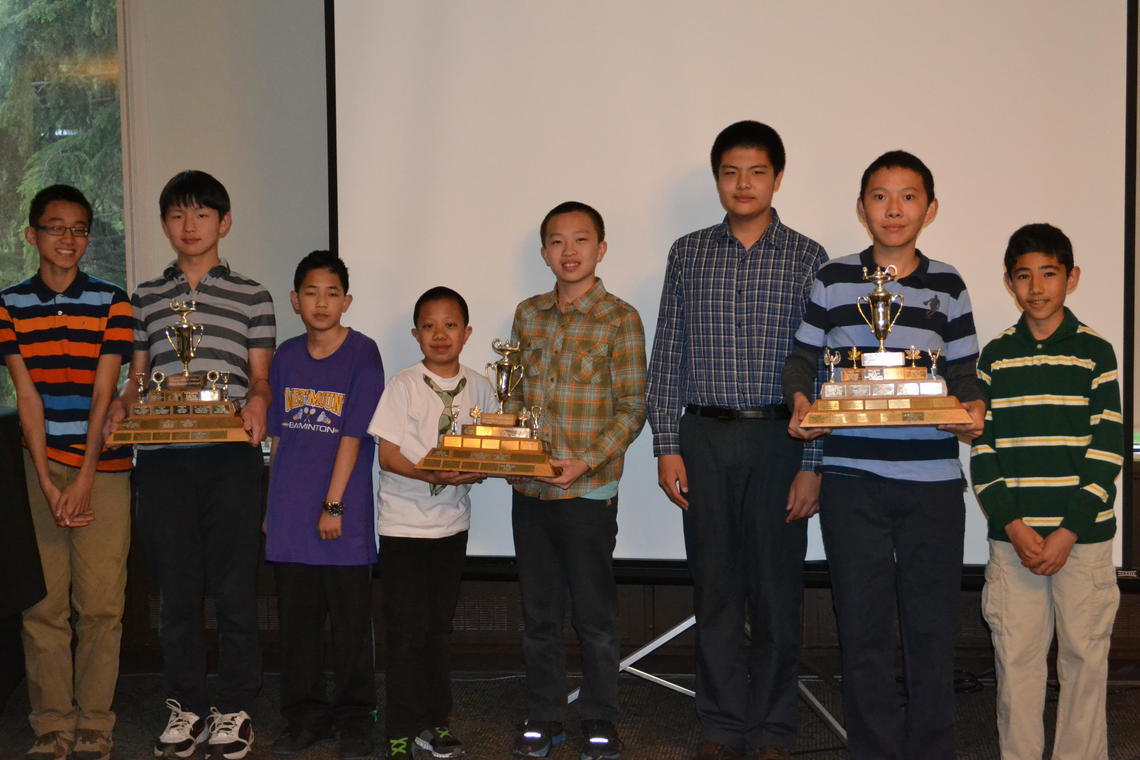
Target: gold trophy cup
883,392
499,444
191,408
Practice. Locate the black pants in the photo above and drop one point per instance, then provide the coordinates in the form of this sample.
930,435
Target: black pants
565,548
420,578
895,547
744,556
306,596
199,514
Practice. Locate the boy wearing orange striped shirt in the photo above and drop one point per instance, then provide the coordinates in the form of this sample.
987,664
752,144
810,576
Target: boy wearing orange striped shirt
1044,471
64,336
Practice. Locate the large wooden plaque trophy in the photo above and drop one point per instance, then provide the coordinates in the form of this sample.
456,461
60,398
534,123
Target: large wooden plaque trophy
883,391
500,444
191,408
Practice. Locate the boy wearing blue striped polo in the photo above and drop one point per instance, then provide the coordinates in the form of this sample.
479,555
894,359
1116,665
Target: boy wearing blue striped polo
1044,471
199,505
891,502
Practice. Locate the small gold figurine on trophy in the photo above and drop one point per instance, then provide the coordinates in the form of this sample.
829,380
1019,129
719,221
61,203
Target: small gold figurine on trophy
913,354
502,444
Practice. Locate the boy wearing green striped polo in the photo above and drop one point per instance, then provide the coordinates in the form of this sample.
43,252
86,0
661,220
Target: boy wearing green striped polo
1044,472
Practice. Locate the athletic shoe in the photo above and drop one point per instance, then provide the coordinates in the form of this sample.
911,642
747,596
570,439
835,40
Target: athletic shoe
537,737
356,741
51,745
600,741
398,749
231,735
92,745
296,738
440,742
183,733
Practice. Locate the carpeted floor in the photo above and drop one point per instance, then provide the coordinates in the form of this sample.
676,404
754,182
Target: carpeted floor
656,723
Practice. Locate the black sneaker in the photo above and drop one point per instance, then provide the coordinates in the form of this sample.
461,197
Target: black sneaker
398,748
356,742
298,737
440,742
184,732
537,737
600,741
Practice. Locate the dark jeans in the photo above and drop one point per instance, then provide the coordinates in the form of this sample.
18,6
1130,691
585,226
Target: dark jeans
895,547
199,514
565,547
420,578
744,556
306,596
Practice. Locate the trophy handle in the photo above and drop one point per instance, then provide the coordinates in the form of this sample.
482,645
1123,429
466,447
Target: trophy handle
199,331
895,297
859,301
515,379
489,373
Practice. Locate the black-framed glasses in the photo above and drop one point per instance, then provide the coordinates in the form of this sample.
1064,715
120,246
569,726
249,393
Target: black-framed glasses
57,230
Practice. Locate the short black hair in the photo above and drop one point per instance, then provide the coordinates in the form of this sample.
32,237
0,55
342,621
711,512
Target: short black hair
320,260
893,159
569,207
748,134
194,188
1039,238
54,193
440,293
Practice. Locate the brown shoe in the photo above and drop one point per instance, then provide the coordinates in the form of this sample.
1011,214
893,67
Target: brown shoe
714,751
770,753
52,745
92,745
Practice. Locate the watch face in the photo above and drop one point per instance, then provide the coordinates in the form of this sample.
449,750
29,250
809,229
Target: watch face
334,508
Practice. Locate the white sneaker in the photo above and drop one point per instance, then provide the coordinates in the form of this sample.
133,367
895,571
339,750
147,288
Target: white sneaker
231,735
183,733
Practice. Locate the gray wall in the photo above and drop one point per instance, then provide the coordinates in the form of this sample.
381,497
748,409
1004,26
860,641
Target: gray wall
235,88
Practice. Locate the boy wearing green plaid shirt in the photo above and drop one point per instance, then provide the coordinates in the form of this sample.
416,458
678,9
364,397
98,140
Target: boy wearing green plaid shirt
583,350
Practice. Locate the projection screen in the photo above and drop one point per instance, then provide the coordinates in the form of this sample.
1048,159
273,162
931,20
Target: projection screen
459,124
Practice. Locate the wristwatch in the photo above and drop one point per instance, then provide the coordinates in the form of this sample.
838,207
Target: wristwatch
334,508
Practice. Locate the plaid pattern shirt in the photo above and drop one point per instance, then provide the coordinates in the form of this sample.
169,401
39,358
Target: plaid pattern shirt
727,319
586,369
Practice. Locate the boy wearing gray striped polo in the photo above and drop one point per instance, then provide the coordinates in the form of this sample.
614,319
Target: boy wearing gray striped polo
1044,471
199,505
891,502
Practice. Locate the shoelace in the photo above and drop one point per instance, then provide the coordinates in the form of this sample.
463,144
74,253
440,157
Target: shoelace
223,725
180,720
398,746
444,733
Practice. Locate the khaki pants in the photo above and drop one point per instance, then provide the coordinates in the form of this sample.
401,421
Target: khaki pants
85,569
1021,609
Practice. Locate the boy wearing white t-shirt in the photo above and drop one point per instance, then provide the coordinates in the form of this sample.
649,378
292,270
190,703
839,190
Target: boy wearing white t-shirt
423,522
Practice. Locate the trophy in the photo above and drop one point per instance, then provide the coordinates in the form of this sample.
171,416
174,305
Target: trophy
883,391
497,444
191,408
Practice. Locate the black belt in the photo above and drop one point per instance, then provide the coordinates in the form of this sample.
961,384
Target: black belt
770,412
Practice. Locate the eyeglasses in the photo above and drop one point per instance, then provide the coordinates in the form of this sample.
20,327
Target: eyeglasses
57,230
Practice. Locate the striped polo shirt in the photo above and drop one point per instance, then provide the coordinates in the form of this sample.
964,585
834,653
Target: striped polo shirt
936,314
1054,438
235,312
61,337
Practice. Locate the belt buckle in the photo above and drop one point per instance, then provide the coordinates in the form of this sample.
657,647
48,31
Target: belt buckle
726,415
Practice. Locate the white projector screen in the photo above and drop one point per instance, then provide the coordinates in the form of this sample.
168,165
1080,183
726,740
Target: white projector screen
459,124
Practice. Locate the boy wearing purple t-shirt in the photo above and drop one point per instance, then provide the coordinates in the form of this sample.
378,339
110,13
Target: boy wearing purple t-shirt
320,528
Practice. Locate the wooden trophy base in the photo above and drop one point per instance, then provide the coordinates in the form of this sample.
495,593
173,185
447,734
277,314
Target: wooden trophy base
497,451
193,415
884,397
